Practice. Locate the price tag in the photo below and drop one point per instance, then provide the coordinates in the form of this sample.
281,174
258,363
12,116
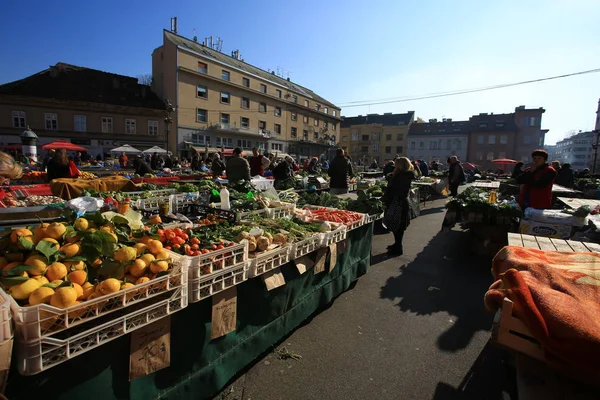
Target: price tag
224,313
150,348
273,279
303,263
320,262
333,256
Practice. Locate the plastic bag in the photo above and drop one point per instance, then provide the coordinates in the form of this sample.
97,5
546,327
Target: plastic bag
84,204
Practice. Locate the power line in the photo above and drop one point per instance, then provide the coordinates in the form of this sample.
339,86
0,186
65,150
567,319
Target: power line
459,92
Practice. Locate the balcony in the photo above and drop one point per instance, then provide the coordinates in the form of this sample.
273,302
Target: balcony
239,130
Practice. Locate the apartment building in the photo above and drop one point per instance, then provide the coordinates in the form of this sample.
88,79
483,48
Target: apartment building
95,109
576,150
375,136
222,102
438,140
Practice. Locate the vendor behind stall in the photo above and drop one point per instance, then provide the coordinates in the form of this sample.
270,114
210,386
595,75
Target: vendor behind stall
217,166
58,166
258,163
141,167
283,170
536,182
238,168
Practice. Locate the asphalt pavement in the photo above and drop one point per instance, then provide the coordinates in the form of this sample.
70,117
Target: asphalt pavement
414,327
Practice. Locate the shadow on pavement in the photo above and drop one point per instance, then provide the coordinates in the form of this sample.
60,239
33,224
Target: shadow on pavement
434,210
445,277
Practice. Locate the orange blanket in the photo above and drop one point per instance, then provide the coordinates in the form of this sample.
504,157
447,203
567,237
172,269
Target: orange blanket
67,188
557,296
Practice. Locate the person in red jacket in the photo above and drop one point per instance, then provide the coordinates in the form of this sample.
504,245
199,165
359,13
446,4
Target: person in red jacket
258,163
536,182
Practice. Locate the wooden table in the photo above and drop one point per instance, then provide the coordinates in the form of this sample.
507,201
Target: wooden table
576,203
486,184
534,379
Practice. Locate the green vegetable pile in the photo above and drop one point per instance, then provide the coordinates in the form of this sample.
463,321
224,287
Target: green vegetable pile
366,203
476,200
323,199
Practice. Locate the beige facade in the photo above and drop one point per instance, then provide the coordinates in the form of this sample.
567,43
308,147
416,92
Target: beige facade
223,102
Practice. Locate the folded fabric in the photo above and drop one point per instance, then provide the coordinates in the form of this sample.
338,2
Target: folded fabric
557,296
67,188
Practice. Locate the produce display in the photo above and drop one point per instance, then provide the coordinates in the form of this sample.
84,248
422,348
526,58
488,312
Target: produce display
333,215
86,175
367,203
30,201
189,242
478,200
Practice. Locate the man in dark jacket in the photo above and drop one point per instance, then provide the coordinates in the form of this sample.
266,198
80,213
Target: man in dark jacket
238,168
339,170
389,168
217,166
456,175
565,177
424,168
154,161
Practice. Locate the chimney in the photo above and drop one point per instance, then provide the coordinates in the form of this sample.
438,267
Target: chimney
174,25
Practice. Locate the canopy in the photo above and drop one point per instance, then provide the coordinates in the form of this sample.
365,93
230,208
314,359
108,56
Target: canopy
155,149
229,153
61,144
125,149
504,161
468,165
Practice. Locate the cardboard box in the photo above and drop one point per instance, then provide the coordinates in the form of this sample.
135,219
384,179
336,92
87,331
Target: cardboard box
543,229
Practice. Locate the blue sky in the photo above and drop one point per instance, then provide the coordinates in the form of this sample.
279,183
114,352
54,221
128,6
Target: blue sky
349,50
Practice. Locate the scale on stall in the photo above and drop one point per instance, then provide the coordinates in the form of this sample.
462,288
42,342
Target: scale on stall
318,182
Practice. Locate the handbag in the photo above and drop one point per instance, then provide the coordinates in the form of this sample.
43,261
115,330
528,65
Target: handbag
393,215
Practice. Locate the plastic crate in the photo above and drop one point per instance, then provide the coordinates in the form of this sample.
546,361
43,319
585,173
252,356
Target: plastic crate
335,236
239,215
152,203
306,246
208,285
269,260
6,331
350,226
286,210
35,322
372,218
181,201
36,356
217,260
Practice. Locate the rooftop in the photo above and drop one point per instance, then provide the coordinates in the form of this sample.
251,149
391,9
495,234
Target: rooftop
244,66
439,128
72,83
387,119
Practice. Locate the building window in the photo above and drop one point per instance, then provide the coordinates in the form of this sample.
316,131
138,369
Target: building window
276,147
294,132
375,135
225,75
201,92
305,134
316,135
526,139
480,139
532,121
365,138
262,107
294,116
479,157
398,149
421,145
245,122
492,139
153,128
277,92
246,82
412,145
316,123
503,139
278,111
388,137
364,149
502,155
225,99
305,119
51,122
388,149
335,113
244,144
262,125
334,126
483,125
80,122
317,107
107,126
375,148
355,137
201,115
263,88
459,145
278,129
225,120
490,156
326,110
130,126
200,139
305,103
261,145
499,124
202,67
245,102
18,119
325,125
295,99
344,138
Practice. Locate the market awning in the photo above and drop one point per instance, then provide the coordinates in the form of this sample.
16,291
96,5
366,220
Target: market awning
202,150
155,149
504,161
59,144
229,153
125,149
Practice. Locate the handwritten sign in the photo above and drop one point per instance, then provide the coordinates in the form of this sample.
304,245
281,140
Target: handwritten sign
333,257
303,263
150,348
273,279
224,313
320,262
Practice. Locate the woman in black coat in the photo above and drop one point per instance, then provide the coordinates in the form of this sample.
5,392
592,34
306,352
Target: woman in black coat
396,200
58,166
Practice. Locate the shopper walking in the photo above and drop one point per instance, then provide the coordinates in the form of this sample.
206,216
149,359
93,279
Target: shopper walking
396,199
338,171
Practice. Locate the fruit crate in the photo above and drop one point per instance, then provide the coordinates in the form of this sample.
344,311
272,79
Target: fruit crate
372,218
153,203
306,246
285,210
269,260
43,320
33,357
216,260
208,285
6,331
335,236
181,201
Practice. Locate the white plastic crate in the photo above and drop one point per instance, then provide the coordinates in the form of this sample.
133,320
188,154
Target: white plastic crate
269,260
152,203
180,201
306,246
372,218
286,210
39,355
42,320
350,226
6,331
335,236
208,285
239,215
217,260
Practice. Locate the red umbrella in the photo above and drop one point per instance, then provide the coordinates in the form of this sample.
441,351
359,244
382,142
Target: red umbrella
504,161
468,165
59,144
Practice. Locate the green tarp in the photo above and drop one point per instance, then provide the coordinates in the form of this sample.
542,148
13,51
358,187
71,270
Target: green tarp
201,367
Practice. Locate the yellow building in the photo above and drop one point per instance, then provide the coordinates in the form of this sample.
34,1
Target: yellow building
375,137
220,101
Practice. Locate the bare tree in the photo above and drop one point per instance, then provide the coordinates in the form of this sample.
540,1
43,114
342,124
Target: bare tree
145,79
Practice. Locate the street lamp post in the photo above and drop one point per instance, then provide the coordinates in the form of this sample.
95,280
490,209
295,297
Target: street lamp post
29,143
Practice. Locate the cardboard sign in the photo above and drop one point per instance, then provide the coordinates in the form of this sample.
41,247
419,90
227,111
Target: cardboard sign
150,348
224,313
342,246
5,356
273,279
320,262
303,263
333,257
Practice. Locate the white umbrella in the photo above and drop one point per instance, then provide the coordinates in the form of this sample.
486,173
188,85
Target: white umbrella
125,149
155,149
